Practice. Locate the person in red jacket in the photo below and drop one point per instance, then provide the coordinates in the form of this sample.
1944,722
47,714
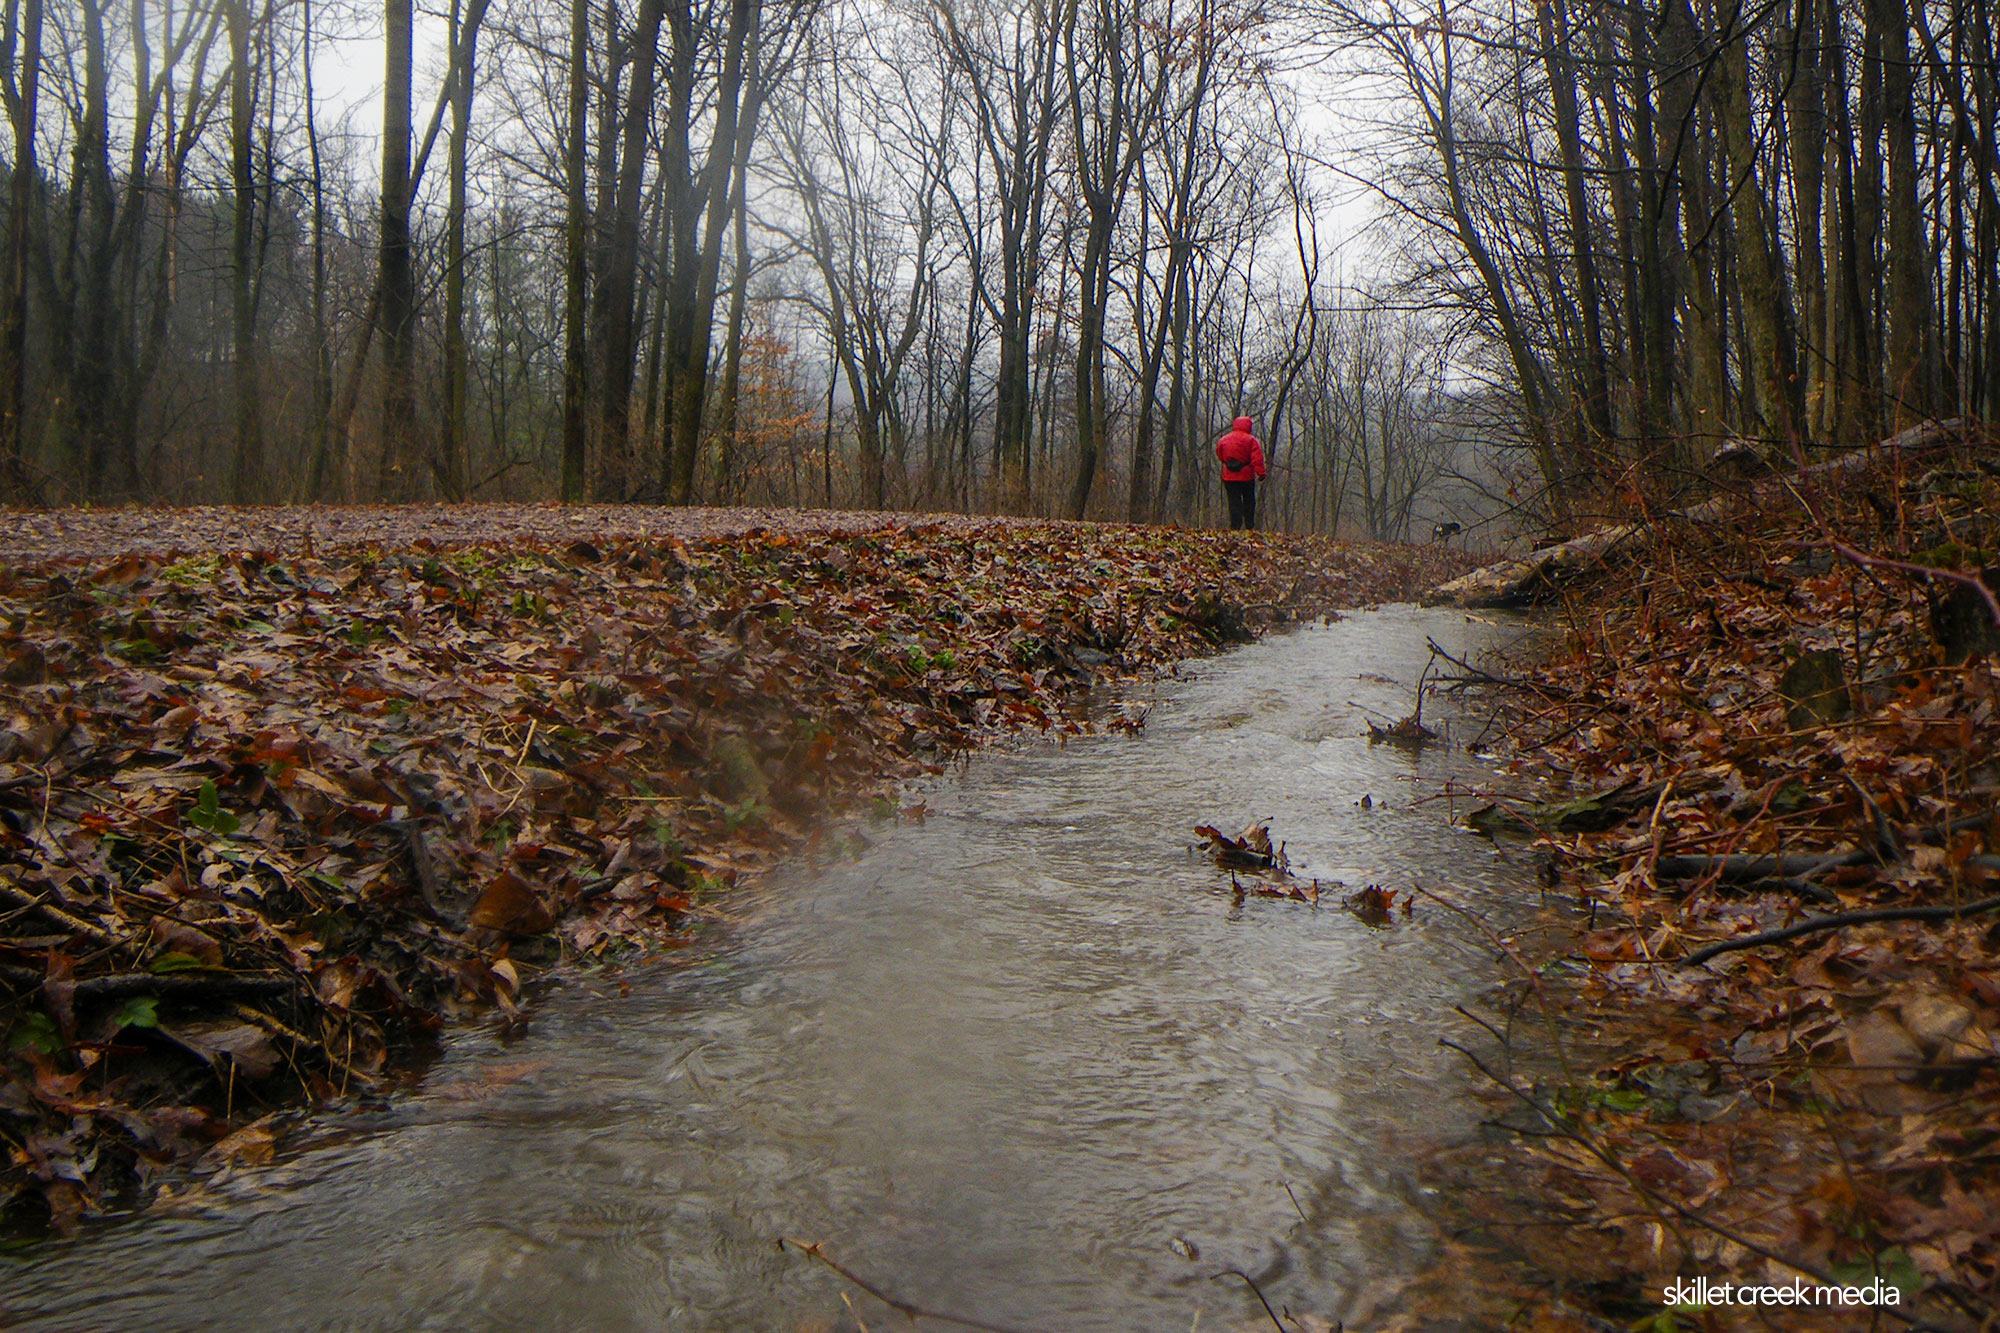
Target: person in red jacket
1242,468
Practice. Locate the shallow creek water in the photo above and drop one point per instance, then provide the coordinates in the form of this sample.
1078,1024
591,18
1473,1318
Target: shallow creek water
1014,1061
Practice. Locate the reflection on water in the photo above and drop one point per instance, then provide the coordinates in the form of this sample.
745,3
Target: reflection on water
1014,1061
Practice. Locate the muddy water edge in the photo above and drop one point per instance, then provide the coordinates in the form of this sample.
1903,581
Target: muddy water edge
1029,1059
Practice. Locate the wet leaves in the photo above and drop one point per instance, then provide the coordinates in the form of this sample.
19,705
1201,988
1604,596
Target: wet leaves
1408,732
1249,850
273,809
1757,729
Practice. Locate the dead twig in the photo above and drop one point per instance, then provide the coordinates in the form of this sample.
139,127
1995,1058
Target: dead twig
258,1018
1480,676
908,1309
1922,571
179,985
1834,921
56,914
1250,1283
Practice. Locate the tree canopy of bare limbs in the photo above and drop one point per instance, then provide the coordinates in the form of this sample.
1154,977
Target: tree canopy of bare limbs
1019,255
1680,222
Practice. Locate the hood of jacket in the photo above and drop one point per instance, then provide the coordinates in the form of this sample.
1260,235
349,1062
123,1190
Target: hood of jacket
1243,424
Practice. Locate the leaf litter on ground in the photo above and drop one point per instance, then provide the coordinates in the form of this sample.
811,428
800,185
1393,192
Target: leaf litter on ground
1820,1099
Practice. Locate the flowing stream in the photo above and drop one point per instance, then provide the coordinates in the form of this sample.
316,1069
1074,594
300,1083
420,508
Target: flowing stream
1020,1061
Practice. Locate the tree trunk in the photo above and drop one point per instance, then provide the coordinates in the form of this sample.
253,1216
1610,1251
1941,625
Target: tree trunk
1768,404
1560,63
1807,126
1912,372
398,275
732,118
249,457
454,461
24,38
576,266
325,466
617,284
727,409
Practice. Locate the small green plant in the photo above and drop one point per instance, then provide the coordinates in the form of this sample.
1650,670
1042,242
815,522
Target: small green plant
192,570
168,964
1892,1265
745,813
141,1011
208,814
35,1032
668,841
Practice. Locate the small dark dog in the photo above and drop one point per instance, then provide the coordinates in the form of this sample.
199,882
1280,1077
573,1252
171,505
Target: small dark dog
1444,532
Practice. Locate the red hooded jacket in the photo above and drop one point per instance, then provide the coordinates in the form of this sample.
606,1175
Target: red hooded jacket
1241,455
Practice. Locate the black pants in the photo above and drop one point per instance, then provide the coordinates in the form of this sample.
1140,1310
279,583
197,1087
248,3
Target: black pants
1242,504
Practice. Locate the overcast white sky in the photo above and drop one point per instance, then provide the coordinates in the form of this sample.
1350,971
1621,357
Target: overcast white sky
1336,109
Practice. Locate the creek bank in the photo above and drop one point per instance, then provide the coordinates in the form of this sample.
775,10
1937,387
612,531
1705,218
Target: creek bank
268,817
1772,1056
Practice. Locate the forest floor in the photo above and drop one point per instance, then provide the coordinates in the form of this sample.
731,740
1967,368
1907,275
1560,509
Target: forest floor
1771,1057
282,791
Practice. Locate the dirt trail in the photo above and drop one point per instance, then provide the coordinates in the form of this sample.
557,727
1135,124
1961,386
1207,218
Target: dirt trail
87,534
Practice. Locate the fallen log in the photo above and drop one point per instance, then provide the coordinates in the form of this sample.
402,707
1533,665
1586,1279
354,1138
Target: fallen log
1523,580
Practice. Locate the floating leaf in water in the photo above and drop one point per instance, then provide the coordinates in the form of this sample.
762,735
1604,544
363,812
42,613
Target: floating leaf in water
1249,850
1372,904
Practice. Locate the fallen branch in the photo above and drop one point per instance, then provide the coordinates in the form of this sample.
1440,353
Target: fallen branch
56,914
1922,571
1523,579
1749,869
175,986
1963,824
1787,872
1480,676
1835,921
